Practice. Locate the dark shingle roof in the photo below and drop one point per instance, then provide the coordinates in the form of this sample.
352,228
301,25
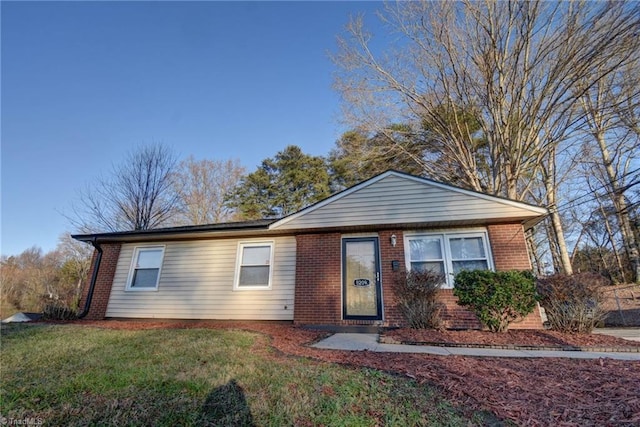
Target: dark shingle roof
260,224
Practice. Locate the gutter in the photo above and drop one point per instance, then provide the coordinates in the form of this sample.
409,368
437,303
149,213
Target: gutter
178,233
94,278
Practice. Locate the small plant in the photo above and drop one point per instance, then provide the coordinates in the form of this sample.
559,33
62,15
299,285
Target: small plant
498,298
417,293
573,303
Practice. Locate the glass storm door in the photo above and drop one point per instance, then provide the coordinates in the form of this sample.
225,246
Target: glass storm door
361,279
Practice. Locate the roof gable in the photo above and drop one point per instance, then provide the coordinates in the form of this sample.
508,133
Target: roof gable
397,198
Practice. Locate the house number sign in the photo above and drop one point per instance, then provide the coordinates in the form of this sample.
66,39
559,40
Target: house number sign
361,283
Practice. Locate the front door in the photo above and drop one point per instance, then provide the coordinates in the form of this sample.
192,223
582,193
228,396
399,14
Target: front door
361,279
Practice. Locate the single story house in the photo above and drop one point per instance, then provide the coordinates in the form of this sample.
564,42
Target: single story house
332,263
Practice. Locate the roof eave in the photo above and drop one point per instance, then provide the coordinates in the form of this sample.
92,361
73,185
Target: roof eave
177,233
526,222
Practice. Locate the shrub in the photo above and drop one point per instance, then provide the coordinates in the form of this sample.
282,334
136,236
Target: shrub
417,293
58,311
497,297
573,303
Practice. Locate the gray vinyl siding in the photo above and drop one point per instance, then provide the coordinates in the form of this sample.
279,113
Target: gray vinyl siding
196,282
398,200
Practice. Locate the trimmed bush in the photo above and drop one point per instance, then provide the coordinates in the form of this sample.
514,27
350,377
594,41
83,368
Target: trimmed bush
498,298
573,303
417,293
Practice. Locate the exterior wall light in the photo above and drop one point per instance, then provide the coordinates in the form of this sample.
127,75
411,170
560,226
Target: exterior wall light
394,240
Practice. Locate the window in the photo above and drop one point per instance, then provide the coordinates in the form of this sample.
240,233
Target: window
146,264
447,253
468,253
427,254
253,270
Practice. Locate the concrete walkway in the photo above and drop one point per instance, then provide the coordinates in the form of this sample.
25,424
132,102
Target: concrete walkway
632,334
369,342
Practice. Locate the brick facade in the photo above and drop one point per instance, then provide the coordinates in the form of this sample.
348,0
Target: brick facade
458,317
102,289
509,250
388,253
318,294
508,247
318,298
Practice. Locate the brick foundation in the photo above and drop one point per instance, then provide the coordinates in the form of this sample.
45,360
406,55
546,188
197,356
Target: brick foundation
104,281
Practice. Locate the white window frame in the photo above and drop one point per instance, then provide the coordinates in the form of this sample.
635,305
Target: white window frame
445,237
132,268
239,254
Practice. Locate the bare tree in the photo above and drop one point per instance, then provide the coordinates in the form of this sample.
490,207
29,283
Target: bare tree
26,280
11,289
202,186
76,263
139,194
611,109
515,67
33,279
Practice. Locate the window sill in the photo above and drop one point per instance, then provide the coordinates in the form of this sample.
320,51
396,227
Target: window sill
251,288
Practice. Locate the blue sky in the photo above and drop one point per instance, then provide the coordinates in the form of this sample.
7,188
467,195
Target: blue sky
83,83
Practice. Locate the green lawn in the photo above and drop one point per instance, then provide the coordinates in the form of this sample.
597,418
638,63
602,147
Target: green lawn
74,375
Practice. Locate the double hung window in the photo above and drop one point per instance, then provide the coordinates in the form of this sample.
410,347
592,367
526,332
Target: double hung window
254,266
146,265
447,253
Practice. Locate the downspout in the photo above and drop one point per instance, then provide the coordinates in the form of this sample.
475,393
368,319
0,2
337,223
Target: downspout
94,278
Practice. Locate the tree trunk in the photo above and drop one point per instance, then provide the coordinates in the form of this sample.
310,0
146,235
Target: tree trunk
612,242
549,174
565,260
616,190
553,248
534,256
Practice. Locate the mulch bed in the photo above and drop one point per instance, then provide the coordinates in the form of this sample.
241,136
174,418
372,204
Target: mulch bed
529,392
513,338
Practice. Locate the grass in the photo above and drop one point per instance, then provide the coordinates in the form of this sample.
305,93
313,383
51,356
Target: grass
75,375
